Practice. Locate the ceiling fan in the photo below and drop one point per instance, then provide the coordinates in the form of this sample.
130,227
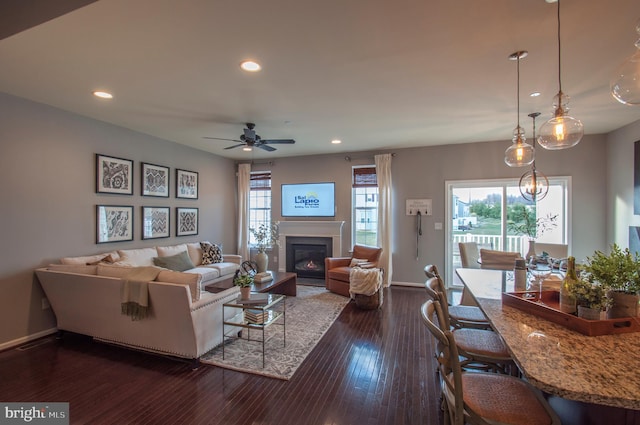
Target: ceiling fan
251,139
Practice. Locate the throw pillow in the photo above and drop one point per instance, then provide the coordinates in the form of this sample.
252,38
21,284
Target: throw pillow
211,253
179,262
356,261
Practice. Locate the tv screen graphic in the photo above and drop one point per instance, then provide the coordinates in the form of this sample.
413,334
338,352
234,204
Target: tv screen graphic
308,200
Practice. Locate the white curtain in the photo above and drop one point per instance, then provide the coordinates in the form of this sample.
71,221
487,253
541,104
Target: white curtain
244,181
383,173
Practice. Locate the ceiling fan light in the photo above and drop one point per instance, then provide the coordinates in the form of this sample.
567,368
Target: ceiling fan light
247,149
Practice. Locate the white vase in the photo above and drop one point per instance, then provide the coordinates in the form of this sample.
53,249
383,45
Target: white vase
532,250
262,260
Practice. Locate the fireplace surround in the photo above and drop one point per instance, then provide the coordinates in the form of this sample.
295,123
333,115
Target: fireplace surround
308,229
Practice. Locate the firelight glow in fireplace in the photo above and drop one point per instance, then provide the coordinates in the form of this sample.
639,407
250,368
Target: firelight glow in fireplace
305,255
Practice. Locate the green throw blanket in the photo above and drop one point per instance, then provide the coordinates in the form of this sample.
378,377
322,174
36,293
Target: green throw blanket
134,292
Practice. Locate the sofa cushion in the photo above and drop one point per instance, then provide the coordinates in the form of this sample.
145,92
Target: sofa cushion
191,279
208,274
225,268
91,259
138,257
339,273
74,268
195,252
112,270
211,253
178,262
167,251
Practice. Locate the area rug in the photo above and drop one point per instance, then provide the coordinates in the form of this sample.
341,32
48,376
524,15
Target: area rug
309,316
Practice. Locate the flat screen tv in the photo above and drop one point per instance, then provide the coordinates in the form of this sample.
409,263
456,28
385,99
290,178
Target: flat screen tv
308,200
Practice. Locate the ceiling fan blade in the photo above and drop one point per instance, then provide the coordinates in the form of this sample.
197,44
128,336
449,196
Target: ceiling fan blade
279,141
235,146
218,138
266,147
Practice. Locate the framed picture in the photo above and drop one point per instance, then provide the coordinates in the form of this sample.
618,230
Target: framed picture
114,175
155,180
186,221
114,223
186,184
155,222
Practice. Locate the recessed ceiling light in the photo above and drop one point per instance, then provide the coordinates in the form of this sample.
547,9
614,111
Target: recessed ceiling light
250,66
535,94
102,94
336,141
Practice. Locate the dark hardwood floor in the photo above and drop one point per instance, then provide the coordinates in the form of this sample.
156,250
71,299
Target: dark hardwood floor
371,367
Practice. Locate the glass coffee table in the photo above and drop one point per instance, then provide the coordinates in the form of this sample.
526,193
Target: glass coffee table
257,314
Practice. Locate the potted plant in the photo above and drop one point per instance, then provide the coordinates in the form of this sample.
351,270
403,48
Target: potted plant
524,222
265,237
618,272
591,298
244,281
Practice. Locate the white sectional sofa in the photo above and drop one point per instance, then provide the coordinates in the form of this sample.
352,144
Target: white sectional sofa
184,320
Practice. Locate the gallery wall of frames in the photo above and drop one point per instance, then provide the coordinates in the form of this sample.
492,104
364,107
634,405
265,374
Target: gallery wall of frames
115,222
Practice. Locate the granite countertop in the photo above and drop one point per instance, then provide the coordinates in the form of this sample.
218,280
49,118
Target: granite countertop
595,369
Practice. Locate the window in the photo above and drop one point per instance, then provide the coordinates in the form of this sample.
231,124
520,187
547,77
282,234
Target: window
259,201
479,211
364,222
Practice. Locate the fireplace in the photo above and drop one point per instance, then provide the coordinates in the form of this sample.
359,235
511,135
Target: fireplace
305,255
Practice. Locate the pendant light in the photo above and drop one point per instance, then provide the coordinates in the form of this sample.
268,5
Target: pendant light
533,185
520,153
625,84
562,131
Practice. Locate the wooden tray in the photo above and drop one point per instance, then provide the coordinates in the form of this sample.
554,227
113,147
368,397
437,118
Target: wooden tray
549,309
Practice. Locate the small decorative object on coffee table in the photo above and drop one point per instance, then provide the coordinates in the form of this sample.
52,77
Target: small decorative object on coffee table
244,281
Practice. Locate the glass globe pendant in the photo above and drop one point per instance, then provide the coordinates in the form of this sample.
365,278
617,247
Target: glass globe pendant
520,153
533,184
562,131
625,84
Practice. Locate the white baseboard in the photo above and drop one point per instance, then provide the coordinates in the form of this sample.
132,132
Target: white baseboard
412,284
25,339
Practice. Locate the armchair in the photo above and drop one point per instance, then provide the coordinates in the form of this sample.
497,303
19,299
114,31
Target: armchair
337,269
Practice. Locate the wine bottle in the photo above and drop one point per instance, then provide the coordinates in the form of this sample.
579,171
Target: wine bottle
567,300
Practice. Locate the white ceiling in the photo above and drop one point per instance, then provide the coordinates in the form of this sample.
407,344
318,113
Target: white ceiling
378,74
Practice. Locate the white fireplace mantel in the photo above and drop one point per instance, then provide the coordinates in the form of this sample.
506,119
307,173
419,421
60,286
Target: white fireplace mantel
332,229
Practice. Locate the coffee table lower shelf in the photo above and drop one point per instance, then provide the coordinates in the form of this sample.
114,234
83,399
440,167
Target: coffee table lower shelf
271,307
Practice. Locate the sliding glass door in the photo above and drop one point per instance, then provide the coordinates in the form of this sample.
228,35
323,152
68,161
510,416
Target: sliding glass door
481,210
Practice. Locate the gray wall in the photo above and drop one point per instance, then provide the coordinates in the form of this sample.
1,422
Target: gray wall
48,198
620,169
47,164
422,172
